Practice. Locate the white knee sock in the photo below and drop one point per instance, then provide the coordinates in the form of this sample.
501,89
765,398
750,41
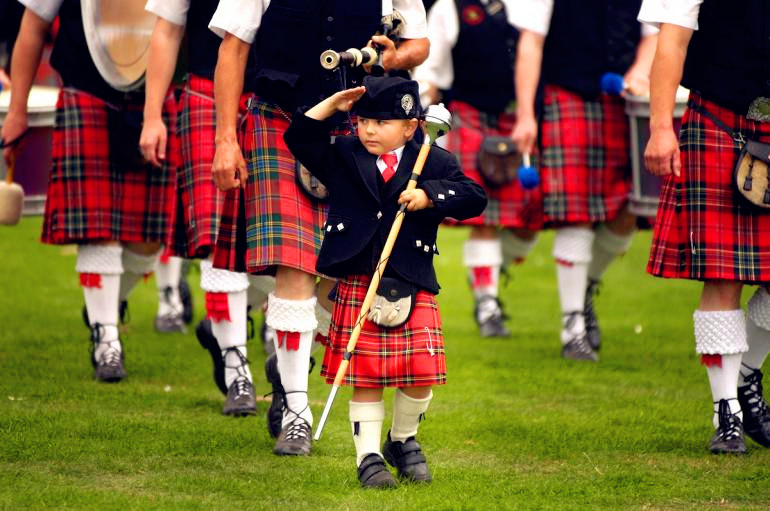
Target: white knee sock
720,339
228,326
366,421
515,249
407,412
572,251
135,268
167,277
100,267
483,259
294,322
757,332
606,247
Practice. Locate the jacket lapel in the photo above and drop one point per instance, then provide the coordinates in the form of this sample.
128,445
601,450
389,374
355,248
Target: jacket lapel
366,164
404,171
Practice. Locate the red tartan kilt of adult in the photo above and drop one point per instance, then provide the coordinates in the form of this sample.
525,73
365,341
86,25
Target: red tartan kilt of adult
198,200
509,206
411,355
585,168
705,230
93,197
272,222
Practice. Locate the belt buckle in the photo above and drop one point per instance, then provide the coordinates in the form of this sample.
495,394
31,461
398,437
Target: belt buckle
759,110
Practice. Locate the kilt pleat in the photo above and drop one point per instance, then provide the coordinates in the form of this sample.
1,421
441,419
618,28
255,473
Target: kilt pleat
509,206
704,228
91,198
282,225
199,201
585,167
410,355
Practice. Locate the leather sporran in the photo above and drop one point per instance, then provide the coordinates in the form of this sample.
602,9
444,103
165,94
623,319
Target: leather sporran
309,184
751,173
393,303
498,161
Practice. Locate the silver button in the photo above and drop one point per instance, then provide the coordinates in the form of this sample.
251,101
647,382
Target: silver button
379,215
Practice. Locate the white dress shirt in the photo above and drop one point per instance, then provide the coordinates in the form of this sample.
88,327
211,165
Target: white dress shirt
535,16
242,18
45,9
173,11
443,30
398,152
676,12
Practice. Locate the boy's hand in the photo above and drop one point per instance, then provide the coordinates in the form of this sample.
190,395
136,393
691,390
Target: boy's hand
415,199
341,101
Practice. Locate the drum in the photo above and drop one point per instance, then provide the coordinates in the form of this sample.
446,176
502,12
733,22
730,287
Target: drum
645,186
118,36
33,161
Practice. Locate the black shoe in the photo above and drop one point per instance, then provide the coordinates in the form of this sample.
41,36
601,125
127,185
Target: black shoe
240,398
578,348
728,438
275,413
373,473
756,418
109,367
123,315
294,439
408,459
209,342
170,323
187,301
493,323
593,333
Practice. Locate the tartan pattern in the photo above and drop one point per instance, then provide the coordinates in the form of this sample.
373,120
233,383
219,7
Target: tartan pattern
91,198
510,206
199,201
704,229
385,357
585,168
272,222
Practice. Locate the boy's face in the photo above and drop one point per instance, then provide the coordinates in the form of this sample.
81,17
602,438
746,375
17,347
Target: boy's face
382,136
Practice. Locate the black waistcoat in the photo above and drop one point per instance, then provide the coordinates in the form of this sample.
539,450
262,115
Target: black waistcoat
728,60
588,38
71,58
291,37
483,57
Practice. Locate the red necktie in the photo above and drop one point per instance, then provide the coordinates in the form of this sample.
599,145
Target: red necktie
390,161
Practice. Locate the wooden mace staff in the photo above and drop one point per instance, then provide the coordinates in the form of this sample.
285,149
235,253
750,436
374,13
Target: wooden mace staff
436,123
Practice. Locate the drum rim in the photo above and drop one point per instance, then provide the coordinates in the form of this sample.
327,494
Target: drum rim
99,54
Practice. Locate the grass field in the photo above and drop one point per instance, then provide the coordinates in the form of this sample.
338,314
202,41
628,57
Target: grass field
517,427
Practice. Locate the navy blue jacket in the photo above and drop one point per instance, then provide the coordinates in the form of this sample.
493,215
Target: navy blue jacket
361,212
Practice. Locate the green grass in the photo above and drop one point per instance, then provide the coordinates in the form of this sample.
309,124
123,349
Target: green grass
517,427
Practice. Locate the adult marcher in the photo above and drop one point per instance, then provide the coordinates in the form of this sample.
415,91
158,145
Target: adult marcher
470,66
569,45
282,226
705,230
182,29
101,195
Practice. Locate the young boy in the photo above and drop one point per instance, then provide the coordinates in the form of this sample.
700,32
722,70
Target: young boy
367,177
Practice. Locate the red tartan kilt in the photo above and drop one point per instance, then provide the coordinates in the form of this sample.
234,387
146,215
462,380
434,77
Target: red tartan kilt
704,229
272,222
385,357
585,168
91,198
199,201
509,206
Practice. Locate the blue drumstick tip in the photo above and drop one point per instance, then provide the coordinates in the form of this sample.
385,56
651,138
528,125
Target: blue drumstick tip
528,177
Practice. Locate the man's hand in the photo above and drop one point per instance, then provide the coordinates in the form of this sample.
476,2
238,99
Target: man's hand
415,199
153,140
14,126
524,134
229,167
661,157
